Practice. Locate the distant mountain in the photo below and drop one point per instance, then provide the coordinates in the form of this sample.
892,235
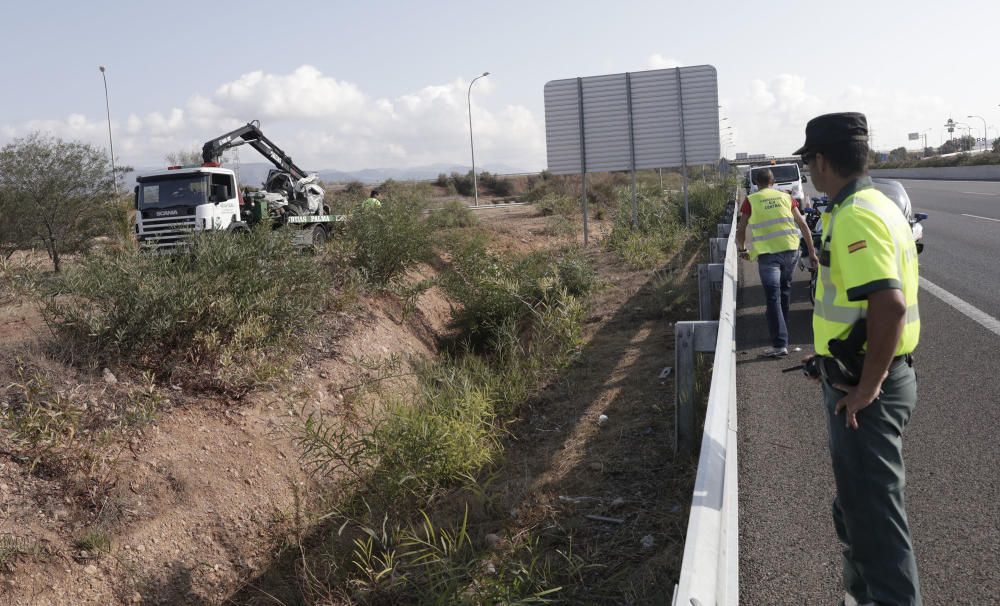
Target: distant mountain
254,173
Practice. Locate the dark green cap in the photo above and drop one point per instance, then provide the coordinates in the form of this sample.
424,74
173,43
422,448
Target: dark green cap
831,129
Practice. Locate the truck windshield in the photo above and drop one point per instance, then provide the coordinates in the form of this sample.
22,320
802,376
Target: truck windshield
783,173
182,190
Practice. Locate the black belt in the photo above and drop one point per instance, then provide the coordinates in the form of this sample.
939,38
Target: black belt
905,358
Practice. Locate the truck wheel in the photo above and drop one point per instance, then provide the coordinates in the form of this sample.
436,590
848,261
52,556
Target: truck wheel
318,236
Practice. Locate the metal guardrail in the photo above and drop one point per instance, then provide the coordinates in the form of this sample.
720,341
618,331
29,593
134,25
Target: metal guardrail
710,568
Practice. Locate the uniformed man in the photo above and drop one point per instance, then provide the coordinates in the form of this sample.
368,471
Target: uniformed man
775,226
868,269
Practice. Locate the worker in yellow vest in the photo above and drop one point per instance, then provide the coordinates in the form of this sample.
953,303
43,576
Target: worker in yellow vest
775,227
868,283
372,203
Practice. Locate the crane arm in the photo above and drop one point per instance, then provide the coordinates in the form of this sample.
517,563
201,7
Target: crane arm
250,133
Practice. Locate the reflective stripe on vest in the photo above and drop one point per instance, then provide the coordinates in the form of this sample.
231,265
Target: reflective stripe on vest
834,314
772,227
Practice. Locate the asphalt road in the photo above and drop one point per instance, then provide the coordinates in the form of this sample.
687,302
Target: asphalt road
788,549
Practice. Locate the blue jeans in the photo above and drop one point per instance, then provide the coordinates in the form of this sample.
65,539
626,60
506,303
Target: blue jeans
776,276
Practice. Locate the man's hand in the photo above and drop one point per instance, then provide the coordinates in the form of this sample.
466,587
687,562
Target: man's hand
853,403
813,261
744,253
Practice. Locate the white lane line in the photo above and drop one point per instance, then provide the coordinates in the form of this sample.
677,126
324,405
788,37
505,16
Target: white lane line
971,311
978,193
978,217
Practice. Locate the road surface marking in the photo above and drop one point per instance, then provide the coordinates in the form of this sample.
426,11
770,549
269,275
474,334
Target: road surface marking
978,193
974,313
978,217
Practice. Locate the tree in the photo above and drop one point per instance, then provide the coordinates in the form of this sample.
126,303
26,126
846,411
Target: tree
13,234
996,145
184,157
60,191
967,143
898,154
949,147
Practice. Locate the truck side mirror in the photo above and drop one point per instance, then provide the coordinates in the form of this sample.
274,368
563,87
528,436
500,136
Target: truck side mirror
220,193
136,192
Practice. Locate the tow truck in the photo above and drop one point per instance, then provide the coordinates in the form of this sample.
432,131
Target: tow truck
173,204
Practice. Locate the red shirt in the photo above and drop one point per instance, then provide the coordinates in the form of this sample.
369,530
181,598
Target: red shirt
745,207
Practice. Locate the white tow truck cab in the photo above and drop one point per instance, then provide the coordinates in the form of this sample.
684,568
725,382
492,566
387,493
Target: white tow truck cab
172,204
787,178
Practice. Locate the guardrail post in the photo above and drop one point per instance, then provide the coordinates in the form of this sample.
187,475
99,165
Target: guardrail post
722,229
717,249
689,338
709,281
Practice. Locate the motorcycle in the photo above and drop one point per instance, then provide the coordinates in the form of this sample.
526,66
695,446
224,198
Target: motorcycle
892,189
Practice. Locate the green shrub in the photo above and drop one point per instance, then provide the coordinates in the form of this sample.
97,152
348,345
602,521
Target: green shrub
657,233
386,242
422,562
706,203
496,292
414,194
496,184
454,213
217,304
560,205
463,183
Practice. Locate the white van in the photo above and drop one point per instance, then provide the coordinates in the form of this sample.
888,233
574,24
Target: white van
787,178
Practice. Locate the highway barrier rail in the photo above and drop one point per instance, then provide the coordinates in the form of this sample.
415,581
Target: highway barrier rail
710,569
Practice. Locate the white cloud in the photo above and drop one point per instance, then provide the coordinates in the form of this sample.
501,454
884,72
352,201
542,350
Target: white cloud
771,117
658,61
324,123
303,94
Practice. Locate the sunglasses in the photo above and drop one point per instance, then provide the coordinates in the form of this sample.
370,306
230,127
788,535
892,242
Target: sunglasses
808,157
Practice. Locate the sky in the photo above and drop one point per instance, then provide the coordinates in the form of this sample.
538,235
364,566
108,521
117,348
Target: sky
348,85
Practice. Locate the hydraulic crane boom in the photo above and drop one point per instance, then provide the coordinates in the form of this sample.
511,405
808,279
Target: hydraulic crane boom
250,133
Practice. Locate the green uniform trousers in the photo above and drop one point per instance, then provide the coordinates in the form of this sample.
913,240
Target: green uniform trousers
869,511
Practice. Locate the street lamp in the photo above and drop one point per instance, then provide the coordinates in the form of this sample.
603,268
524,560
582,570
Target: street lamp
472,146
984,128
107,107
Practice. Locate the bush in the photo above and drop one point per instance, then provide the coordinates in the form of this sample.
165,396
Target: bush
463,183
560,205
706,203
386,242
498,185
454,213
215,306
496,292
658,232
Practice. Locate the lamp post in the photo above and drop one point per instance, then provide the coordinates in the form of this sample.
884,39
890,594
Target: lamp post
472,146
984,128
111,141
725,132
923,134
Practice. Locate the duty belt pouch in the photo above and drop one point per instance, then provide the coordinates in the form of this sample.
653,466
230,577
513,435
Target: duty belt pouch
835,373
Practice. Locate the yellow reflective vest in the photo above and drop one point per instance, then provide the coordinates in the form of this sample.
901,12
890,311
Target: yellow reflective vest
772,225
867,246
